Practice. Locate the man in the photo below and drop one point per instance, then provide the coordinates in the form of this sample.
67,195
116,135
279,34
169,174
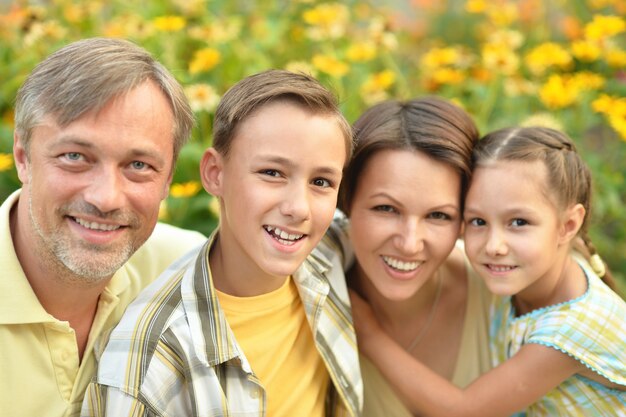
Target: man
98,127
258,321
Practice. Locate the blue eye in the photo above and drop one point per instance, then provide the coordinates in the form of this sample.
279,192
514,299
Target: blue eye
73,156
138,165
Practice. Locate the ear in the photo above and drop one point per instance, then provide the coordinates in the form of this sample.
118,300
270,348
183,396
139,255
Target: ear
20,155
211,171
572,221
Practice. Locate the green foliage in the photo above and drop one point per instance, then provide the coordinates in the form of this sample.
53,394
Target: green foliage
555,63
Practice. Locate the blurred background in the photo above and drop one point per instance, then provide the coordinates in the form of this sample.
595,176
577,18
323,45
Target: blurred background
554,63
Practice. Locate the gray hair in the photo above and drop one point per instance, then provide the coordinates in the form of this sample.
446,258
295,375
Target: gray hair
85,75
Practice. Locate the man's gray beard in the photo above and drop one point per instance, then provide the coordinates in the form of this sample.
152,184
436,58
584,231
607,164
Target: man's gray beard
56,255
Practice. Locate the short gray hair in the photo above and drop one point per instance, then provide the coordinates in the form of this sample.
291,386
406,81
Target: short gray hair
85,75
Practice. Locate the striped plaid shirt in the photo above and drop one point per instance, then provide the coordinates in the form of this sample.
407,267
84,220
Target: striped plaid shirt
590,328
173,353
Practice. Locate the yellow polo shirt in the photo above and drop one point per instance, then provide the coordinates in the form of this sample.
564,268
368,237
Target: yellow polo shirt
40,374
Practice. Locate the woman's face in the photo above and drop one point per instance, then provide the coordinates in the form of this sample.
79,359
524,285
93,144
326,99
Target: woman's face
405,218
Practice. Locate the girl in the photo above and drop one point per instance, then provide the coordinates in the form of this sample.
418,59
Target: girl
403,192
557,329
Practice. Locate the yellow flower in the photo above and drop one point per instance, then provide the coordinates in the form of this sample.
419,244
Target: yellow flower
330,65
439,57
558,92
361,51
204,60
586,80
602,104
587,51
373,90
547,55
328,20
185,189
6,161
449,76
169,23
475,6
615,58
604,26
499,57
202,97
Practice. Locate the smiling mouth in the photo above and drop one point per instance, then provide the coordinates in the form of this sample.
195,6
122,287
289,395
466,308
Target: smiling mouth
500,268
399,265
96,226
282,236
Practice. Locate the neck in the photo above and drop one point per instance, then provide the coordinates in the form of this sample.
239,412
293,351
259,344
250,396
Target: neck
235,274
563,282
396,316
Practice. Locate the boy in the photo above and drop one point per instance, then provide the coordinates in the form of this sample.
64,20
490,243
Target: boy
256,322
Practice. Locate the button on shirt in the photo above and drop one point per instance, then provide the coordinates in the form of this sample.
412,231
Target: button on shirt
173,353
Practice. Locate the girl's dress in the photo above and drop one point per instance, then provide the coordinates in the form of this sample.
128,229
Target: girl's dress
590,328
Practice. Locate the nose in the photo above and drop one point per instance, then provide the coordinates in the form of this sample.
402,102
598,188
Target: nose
496,244
409,238
296,203
106,190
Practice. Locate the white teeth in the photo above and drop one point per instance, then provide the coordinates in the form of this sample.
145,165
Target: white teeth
96,226
501,268
400,265
282,236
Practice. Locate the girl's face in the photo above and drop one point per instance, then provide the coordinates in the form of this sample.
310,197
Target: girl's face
405,218
511,227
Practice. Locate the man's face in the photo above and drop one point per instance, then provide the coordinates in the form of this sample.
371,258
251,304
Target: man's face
93,187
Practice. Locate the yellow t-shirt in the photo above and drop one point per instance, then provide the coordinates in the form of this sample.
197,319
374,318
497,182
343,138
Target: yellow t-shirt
39,370
275,336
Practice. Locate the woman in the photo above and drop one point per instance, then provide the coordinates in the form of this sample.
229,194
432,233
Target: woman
403,193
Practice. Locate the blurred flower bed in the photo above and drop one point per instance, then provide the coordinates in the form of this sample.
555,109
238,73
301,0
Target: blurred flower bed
558,63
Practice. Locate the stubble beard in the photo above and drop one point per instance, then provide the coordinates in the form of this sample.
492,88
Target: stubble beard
76,262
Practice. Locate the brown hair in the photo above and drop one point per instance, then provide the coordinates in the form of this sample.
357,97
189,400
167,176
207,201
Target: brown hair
435,127
568,175
85,75
251,93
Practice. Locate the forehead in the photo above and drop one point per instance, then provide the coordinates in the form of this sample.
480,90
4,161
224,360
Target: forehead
409,174
139,120
525,182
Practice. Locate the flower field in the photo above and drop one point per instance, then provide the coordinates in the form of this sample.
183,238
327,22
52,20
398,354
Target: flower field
555,63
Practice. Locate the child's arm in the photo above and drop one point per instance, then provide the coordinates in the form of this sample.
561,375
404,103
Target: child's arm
511,387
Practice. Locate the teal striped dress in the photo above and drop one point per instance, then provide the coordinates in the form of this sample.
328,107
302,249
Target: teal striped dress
590,328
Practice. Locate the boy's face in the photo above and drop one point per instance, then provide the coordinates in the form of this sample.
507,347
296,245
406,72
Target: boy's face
278,192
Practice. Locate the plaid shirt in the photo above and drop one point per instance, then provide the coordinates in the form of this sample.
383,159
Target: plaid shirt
590,328
173,353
